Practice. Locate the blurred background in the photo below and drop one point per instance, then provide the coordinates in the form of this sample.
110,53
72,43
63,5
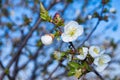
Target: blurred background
23,57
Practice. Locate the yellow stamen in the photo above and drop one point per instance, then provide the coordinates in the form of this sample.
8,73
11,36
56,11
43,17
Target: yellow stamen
72,31
96,50
101,61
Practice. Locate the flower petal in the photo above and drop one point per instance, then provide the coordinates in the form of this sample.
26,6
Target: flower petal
101,68
83,54
106,58
81,57
79,30
71,23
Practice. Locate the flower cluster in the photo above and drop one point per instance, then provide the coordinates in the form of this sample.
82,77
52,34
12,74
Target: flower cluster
79,64
80,59
100,59
72,30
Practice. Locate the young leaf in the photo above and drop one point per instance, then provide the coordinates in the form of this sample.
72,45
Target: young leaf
44,14
73,65
71,72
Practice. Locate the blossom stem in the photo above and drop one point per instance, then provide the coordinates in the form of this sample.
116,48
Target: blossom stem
71,44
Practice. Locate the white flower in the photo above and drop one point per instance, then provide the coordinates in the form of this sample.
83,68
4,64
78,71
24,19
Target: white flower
83,53
101,62
94,51
112,10
47,39
72,31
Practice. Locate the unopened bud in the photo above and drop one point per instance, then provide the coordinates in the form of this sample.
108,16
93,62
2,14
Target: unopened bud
47,39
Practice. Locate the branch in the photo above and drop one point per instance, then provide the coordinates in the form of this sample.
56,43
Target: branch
21,47
4,68
23,44
90,33
49,78
93,30
97,73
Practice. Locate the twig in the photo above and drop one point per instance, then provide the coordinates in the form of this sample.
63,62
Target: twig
99,19
4,68
49,78
97,74
90,33
71,44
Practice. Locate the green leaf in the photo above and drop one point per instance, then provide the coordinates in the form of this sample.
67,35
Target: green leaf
86,66
63,54
73,65
71,72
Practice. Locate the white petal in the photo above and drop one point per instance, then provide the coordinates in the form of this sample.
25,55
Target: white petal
67,38
96,61
85,50
102,60
101,68
71,23
79,30
102,52
106,58
81,57
64,37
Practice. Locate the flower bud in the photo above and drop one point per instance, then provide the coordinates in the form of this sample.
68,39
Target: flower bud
47,39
